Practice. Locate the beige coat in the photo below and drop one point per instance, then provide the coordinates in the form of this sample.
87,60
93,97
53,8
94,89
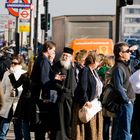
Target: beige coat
7,87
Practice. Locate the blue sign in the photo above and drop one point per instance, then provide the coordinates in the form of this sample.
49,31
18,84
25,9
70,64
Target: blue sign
18,5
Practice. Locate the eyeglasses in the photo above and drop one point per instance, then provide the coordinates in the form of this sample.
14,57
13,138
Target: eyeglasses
126,51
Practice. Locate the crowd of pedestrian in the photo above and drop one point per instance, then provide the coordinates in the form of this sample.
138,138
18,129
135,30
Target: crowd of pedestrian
44,96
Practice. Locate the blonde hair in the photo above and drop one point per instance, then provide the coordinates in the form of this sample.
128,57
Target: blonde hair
30,65
1,96
81,55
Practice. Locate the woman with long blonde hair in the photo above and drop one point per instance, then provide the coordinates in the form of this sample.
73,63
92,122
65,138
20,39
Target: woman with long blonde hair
1,96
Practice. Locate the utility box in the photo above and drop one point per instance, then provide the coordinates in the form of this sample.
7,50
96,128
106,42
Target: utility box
69,27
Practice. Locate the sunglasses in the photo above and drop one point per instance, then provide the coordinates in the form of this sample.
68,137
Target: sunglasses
126,51
14,63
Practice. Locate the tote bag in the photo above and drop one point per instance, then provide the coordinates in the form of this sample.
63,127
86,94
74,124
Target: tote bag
86,113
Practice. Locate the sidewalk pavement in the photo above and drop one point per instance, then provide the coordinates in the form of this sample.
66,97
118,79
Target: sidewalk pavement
11,136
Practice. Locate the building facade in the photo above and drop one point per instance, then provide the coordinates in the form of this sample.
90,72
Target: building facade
130,21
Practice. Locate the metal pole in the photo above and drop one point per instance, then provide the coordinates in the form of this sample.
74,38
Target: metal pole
118,20
46,20
21,41
36,28
17,35
30,34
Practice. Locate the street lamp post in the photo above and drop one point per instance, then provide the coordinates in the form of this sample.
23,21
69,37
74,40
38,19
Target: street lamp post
17,35
36,28
118,20
46,20
30,33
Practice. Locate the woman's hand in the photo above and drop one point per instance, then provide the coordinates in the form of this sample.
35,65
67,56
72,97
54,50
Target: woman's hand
9,71
88,104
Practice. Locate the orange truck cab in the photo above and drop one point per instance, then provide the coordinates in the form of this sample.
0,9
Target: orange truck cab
101,45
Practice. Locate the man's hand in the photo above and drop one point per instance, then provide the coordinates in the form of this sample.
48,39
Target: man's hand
60,77
133,48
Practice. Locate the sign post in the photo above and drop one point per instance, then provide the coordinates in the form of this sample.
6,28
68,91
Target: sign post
10,6
24,21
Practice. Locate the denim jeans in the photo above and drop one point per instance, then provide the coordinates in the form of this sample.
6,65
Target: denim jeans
26,130
4,128
106,127
4,125
21,129
122,123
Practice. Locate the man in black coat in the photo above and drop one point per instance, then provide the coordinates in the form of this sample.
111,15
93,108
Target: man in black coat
42,78
65,90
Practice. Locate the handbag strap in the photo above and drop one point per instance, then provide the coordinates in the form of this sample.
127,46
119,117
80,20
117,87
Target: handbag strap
99,84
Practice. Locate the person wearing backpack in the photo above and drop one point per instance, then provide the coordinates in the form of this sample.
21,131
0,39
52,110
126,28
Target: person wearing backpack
105,74
123,89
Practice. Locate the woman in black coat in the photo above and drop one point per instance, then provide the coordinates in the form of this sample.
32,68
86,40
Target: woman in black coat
88,88
22,112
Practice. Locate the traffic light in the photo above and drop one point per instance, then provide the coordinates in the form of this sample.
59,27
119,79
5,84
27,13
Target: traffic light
44,2
130,2
49,20
125,2
43,21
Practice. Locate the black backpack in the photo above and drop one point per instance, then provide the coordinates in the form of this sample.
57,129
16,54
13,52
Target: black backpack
109,98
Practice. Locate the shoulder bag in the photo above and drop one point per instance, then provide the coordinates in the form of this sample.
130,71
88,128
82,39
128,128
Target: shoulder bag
86,113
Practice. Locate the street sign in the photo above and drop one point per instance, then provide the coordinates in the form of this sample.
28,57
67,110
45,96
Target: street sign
24,28
25,14
24,21
12,10
17,5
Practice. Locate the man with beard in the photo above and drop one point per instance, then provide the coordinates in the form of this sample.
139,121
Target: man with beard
65,90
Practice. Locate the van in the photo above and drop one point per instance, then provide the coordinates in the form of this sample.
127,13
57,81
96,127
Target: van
101,45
